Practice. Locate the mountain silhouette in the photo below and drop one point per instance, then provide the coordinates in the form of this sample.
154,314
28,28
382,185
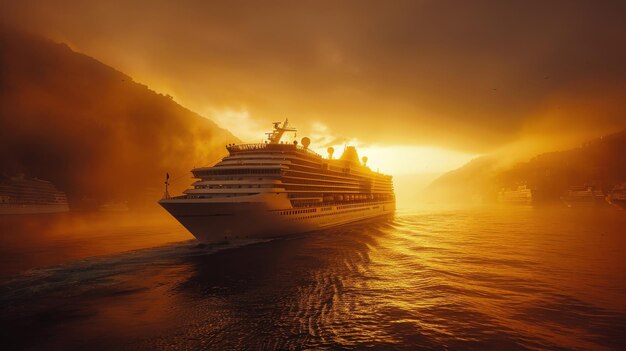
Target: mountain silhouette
92,130
600,162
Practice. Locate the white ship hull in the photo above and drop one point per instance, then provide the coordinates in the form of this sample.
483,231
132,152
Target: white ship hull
12,209
584,198
274,189
212,222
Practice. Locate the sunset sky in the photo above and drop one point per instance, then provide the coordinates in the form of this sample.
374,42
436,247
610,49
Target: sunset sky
441,81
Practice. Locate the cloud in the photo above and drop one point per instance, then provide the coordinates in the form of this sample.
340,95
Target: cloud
323,137
238,121
470,76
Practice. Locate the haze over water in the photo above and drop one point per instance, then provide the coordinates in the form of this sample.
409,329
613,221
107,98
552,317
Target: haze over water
478,278
106,103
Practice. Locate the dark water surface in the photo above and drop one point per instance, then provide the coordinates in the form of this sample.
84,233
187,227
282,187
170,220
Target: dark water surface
484,278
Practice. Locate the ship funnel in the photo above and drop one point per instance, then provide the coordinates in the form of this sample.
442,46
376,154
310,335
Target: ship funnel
364,159
330,150
350,155
306,142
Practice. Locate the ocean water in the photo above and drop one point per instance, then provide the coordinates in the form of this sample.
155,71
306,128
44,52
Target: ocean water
517,278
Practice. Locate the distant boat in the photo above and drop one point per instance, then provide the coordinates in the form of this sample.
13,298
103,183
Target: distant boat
20,195
522,195
582,196
617,196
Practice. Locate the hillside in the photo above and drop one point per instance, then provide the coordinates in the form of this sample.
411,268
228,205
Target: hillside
91,129
600,162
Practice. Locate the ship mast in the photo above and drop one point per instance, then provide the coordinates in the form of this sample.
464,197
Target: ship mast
274,136
166,195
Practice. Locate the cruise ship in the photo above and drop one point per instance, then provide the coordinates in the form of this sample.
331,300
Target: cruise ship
582,196
21,195
277,188
522,195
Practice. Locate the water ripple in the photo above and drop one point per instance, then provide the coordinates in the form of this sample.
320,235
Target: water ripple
470,280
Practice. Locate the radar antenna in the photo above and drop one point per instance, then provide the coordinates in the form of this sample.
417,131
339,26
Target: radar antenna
274,136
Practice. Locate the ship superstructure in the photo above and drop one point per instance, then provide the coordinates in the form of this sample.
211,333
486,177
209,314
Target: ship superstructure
586,195
21,195
522,195
275,188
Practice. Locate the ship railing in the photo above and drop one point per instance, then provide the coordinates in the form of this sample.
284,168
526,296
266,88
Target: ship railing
278,147
339,203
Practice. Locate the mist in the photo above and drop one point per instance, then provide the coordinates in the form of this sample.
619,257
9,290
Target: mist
91,130
471,77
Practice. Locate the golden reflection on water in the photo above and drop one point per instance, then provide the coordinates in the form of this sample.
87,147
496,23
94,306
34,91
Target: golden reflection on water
483,278
500,263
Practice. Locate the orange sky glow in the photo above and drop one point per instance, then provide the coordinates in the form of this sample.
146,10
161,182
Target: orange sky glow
420,86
